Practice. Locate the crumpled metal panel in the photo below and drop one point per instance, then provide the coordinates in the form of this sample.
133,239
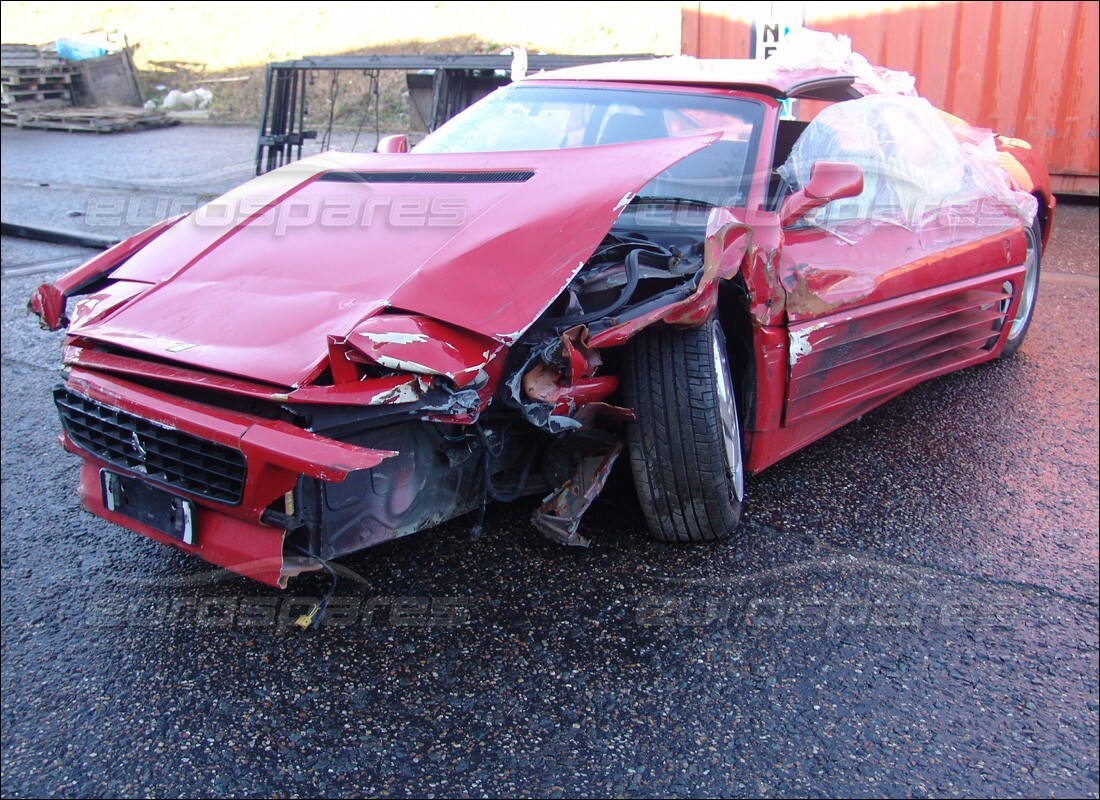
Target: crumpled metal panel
258,297
423,346
559,516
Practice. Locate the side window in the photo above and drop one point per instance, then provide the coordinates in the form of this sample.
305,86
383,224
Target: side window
786,136
913,165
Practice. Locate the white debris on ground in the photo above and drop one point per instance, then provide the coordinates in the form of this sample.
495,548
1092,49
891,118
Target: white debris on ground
175,100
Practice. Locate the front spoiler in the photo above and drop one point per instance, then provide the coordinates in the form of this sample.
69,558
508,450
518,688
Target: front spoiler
277,456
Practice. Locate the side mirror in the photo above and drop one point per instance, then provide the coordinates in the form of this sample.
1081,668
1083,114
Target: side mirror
397,143
829,180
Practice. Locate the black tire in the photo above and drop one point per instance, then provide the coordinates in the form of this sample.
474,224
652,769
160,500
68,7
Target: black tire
1026,309
680,456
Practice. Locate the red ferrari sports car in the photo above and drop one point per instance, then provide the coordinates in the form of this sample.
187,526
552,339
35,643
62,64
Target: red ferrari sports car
709,264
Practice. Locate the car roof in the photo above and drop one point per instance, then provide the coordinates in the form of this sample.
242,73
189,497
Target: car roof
735,73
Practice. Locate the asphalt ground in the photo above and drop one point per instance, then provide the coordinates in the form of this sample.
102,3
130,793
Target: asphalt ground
911,608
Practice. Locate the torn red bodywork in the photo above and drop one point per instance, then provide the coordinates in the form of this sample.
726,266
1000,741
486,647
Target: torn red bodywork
449,254
357,347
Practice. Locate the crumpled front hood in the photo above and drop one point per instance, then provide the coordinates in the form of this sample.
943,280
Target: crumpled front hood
254,283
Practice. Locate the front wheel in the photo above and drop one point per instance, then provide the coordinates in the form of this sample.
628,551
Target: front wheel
1022,320
685,447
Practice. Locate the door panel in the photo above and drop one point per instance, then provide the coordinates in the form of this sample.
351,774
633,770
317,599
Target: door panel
870,315
824,273
841,361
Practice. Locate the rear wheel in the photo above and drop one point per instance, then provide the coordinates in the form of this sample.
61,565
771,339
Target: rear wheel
685,447
1022,320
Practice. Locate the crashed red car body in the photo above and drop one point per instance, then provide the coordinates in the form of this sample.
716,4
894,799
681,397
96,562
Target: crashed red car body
356,347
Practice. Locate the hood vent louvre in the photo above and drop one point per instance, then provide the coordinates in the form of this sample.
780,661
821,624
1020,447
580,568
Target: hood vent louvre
513,176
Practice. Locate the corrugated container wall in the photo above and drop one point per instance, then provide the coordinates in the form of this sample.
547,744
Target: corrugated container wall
1024,69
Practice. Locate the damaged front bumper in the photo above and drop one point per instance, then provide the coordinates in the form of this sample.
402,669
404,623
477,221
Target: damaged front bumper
232,475
268,499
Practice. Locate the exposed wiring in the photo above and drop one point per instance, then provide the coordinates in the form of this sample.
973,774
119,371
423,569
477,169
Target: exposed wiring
521,482
632,265
316,612
489,451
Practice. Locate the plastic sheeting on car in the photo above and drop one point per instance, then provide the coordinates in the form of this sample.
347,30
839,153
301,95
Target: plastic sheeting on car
808,49
917,169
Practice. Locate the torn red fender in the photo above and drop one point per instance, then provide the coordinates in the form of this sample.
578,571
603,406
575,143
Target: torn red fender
539,384
570,383
48,300
581,359
423,346
48,304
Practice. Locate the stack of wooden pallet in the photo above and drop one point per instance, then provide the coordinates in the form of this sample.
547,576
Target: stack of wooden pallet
32,81
101,119
42,90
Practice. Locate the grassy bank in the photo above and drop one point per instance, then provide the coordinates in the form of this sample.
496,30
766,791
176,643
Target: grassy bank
224,46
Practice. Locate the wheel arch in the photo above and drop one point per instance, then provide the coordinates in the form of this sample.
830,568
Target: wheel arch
1045,213
733,315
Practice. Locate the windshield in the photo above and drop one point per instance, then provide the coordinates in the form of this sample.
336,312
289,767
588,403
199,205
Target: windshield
540,117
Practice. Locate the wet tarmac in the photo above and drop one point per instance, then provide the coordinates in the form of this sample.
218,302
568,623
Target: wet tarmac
911,608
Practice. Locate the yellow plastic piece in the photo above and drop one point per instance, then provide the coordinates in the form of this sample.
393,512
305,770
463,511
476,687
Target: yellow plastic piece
303,622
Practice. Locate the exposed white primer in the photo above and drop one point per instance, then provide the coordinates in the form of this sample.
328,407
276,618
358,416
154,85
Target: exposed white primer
403,366
404,393
396,338
800,342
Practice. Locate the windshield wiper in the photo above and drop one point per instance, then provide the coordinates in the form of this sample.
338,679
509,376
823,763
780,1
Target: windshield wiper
677,201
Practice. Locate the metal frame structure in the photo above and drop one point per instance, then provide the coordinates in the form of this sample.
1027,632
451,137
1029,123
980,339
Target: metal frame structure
455,77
